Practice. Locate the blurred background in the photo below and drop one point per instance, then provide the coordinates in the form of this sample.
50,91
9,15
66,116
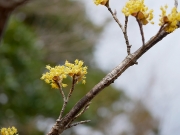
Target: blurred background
145,100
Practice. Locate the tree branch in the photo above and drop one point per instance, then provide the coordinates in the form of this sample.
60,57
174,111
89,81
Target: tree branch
4,16
126,36
141,31
6,8
82,111
176,3
106,81
77,123
64,102
11,4
124,30
115,17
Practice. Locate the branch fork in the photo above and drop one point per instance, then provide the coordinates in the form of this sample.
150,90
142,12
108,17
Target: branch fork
58,124
124,29
82,105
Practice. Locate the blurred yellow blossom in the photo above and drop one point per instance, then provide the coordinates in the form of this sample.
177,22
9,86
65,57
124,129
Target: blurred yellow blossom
102,2
138,9
171,19
8,131
57,71
77,70
56,74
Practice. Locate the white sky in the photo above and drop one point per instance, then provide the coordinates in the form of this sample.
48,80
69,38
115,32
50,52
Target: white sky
156,78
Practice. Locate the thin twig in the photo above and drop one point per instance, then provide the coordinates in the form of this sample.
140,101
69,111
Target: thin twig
77,123
69,95
64,102
176,3
69,125
72,87
126,36
141,30
82,111
79,114
57,80
124,30
115,17
161,28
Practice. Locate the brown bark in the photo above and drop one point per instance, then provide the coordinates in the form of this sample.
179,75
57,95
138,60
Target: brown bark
6,8
130,60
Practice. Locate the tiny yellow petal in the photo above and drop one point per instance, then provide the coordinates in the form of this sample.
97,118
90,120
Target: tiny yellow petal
102,2
48,67
138,9
83,82
64,85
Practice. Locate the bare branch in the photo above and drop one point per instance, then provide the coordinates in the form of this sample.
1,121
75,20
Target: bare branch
64,103
57,80
115,17
83,110
6,8
11,4
65,100
161,29
106,81
124,30
141,30
77,123
129,61
126,36
176,3
4,16
72,87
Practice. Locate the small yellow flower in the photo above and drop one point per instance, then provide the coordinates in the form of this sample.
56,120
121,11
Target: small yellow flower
77,70
57,71
138,9
171,19
102,2
8,131
57,74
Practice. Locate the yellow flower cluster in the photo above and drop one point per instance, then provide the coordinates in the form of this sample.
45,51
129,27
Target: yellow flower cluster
138,9
171,19
102,2
78,70
58,73
8,131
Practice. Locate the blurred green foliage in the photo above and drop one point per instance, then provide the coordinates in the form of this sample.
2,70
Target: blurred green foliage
41,33
20,68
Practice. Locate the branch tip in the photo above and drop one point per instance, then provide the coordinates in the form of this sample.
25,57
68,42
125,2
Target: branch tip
77,123
115,12
176,3
115,17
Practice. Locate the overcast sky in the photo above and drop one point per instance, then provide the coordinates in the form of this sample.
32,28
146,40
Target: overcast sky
156,78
